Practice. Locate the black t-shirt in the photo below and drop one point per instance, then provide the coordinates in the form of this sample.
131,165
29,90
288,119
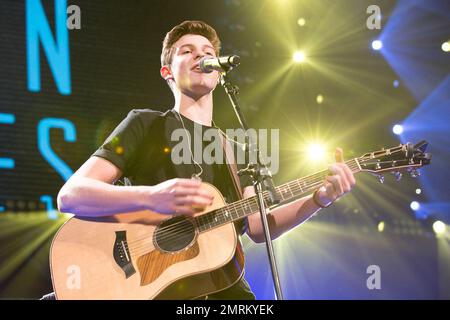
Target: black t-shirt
140,146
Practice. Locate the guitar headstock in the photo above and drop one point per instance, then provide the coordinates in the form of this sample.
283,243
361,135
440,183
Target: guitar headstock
406,156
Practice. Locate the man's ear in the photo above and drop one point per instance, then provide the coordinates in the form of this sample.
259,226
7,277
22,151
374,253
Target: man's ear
165,72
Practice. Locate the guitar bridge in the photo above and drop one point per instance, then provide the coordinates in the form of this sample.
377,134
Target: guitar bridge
122,255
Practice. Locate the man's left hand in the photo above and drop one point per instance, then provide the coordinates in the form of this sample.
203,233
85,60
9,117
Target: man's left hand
338,183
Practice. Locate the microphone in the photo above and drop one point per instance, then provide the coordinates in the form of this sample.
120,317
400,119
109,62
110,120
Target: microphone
224,64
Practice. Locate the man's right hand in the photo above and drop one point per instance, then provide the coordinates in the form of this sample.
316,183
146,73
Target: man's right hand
179,196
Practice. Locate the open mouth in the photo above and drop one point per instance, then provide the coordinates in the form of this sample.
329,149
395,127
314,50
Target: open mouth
196,68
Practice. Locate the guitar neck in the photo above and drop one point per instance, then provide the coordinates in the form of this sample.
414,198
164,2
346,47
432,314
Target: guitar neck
288,192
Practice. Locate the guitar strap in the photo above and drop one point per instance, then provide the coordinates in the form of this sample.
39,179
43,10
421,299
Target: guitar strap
232,169
231,165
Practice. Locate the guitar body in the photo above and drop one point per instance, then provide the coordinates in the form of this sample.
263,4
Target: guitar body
128,256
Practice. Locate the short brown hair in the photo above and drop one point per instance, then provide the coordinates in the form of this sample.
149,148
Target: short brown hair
188,27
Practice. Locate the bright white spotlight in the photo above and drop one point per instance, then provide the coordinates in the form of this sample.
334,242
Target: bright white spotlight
299,57
301,22
319,99
418,191
446,46
381,226
439,227
377,44
396,83
316,151
397,129
415,205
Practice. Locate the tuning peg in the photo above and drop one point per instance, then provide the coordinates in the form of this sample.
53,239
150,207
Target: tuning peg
381,178
398,175
414,173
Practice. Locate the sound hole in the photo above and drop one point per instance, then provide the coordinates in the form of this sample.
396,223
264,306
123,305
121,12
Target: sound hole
175,234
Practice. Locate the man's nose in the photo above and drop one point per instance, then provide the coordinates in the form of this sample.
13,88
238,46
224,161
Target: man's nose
199,56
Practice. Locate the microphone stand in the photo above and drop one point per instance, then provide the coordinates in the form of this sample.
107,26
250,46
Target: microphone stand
261,177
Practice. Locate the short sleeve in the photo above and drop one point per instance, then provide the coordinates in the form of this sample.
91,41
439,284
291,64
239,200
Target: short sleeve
122,144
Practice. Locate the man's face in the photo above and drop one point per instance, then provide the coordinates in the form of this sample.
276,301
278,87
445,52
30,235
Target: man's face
189,79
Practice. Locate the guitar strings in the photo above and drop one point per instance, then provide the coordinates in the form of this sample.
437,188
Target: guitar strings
240,205
171,236
306,180
146,246
291,188
315,184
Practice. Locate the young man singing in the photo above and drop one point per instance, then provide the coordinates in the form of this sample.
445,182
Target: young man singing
139,149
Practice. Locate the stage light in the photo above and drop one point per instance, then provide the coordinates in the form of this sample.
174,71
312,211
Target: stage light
299,57
397,129
377,44
381,226
396,83
301,22
439,227
446,46
316,151
319,99
418,191
415,205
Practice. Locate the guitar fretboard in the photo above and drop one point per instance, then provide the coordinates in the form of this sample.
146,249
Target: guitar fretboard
287,192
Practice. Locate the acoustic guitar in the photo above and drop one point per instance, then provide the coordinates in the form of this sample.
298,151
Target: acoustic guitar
147,255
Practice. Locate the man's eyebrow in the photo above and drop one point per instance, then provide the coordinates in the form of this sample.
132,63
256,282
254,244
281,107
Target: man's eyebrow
191,45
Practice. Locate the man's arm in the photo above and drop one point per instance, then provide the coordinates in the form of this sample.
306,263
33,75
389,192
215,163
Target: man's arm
89,192
288,216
